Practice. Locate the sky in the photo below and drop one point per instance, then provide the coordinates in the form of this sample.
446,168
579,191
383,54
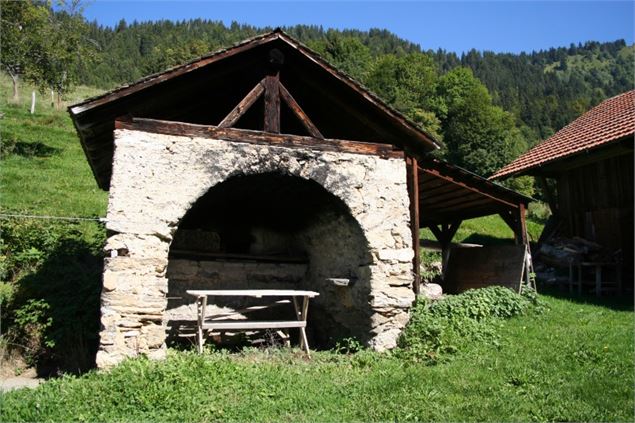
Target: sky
500,26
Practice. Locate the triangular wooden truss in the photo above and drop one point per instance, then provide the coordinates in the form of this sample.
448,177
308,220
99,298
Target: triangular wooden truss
273,91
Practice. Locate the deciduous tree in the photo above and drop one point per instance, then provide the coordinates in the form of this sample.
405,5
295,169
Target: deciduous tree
22,35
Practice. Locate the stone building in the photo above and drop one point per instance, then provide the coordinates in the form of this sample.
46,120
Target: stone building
261,166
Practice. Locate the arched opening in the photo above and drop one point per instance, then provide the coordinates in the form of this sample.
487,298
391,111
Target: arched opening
273,231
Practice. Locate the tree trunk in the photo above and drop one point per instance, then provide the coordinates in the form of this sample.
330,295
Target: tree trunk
58,101
16,94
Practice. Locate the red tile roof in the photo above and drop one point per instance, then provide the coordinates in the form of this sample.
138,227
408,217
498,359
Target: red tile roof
611,120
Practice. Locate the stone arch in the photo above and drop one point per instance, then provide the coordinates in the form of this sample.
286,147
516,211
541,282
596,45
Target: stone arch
158,178
273,230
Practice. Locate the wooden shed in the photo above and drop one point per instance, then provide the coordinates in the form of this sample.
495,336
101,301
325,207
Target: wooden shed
590,164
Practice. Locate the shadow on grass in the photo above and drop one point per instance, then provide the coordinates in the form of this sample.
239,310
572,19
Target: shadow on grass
69,281
622,302
28,149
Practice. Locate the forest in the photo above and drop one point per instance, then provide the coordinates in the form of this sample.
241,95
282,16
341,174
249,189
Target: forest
487,108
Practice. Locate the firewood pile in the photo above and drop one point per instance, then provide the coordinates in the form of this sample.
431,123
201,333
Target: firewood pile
559,252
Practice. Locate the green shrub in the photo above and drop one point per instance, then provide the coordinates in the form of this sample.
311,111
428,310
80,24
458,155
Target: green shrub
30,325
538,211
51,280
440,328
429,272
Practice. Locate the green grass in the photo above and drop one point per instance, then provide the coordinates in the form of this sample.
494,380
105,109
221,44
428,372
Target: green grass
572,363
44,170
488,230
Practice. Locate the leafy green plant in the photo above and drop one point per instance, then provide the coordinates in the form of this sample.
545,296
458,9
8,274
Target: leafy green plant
348,346
429,269
50,291
437,330
31,322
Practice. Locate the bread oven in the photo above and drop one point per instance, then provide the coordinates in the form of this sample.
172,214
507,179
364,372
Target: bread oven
272,231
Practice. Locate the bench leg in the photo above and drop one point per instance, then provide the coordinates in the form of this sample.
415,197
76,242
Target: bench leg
305,312
201,305
598,280
301,315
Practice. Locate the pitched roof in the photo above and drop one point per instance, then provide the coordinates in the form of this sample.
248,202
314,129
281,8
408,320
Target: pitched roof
448,193
205,90
609,121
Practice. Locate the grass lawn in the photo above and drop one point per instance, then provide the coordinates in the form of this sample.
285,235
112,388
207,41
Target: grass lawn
572,363
488,230
44,170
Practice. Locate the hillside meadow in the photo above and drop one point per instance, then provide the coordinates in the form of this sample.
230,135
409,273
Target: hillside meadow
572,362
564,359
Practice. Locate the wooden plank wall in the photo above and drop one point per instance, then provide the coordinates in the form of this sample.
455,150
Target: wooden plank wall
470,268
596,201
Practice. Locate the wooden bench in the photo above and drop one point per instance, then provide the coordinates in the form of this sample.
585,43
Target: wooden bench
215,322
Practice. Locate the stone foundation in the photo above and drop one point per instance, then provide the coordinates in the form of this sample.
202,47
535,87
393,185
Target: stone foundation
156,180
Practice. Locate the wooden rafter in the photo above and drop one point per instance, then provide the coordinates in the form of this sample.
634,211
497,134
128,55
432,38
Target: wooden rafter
460,203
438,174
297,110
244,105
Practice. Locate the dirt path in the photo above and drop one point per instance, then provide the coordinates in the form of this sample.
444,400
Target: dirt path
18,382
28,379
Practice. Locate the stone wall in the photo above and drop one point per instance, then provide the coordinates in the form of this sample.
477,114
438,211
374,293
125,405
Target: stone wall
156,179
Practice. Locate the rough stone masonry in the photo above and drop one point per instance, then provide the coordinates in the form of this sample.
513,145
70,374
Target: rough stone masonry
157,178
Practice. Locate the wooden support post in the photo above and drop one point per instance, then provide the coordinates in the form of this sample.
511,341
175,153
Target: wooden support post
412,175
509,218
444,234
522,212
272,103
515,219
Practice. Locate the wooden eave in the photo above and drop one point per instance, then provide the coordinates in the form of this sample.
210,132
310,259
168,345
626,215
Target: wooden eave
448,194
378,123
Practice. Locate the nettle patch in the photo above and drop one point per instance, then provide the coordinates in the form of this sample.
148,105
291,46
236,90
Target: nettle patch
438,329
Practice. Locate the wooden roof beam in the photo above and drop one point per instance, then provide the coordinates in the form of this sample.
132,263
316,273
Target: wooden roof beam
258,137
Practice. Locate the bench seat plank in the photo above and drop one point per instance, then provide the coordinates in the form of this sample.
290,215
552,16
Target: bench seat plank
252,293
252,324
